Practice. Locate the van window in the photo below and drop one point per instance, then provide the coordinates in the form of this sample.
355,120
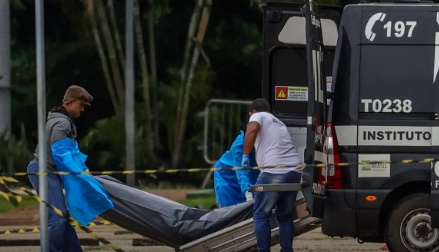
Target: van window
285,73
290,81
293,31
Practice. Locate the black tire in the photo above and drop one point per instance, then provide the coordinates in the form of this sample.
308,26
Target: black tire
409,226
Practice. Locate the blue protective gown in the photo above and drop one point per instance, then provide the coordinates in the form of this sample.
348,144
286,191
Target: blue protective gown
230,186
86,197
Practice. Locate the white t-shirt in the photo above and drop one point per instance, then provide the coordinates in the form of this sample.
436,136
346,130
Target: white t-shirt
273,145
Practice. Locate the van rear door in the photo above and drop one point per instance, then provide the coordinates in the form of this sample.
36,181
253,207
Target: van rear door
290,67
316,107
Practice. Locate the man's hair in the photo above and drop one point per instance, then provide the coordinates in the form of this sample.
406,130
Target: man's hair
260,105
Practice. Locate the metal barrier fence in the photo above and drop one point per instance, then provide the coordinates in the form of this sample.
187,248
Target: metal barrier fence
223,119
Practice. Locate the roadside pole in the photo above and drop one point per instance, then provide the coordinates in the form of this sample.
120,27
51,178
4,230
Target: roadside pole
41,106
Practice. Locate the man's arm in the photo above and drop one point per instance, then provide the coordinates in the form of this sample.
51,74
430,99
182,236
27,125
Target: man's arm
242,175
250,136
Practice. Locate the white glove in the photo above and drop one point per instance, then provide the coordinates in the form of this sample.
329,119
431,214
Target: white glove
248,196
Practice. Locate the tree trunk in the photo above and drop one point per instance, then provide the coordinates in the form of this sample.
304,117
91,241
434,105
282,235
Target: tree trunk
183,72
191,33
145,77
103,58
202,27
111,54
154,83
116,34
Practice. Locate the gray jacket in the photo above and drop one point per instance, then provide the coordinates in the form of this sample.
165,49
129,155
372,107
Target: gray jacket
58,126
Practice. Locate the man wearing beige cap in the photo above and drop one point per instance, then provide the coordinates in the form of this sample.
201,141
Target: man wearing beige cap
60,125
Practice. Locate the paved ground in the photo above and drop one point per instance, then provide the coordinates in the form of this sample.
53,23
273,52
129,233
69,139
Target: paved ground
26,218
312,241
316,241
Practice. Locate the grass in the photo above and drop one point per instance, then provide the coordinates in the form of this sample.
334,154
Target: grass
206,201
27,201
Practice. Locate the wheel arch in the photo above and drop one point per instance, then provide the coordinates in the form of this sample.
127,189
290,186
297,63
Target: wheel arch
396,195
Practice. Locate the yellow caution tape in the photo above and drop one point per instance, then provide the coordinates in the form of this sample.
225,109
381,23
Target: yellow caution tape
37,229
5,192
57,211
303,165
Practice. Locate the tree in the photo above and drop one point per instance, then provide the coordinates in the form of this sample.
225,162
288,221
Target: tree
145,77
195,37
112,59
85,46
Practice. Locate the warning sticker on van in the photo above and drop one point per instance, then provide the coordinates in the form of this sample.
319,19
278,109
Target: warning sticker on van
289,93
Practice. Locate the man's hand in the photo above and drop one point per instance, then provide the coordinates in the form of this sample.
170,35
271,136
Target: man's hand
248,196
245,161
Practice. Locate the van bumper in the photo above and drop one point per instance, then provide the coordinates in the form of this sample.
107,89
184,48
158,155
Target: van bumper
338,213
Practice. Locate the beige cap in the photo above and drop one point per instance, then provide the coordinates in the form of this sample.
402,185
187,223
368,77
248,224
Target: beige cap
77,93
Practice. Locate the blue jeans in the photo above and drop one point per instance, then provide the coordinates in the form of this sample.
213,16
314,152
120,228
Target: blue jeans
284,202
62,235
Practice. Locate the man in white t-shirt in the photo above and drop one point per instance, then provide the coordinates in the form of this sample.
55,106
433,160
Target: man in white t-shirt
274,148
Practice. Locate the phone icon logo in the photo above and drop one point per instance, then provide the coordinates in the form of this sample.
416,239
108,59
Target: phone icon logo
370,35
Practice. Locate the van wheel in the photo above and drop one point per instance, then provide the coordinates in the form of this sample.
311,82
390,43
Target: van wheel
409,226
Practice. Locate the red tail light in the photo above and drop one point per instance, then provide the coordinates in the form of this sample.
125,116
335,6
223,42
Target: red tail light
333,172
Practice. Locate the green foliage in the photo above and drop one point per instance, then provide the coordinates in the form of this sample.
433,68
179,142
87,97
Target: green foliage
161,9
14,152
105,144
201,89
206,202
17,4
232,46
27,201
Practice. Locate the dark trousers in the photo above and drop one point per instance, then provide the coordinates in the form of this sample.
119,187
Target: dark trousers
284,202
62,235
